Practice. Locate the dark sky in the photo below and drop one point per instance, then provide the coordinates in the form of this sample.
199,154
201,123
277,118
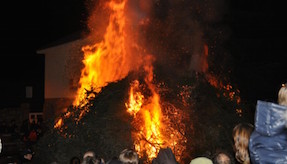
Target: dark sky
257,40
25,27
259,48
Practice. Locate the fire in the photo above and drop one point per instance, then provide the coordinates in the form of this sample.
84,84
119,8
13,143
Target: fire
153,127
229,91
156,124
60,121
109,60
113,59
152,118
135,99
215,82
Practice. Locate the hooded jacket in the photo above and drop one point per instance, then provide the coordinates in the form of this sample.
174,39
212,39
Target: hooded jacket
268,141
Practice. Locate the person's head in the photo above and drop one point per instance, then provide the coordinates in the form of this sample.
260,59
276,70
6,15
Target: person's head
201,160
282,95
89,154
90,158
28,154
282,99
222,158
241,135
129,156
75,160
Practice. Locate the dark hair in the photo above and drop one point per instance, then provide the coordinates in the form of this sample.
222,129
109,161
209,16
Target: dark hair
129,156
89,160
222,157
75,160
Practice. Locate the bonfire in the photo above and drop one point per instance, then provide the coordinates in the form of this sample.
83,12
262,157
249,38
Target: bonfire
131,95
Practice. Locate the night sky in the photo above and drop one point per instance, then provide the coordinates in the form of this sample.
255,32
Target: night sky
27,26
258,48
257,43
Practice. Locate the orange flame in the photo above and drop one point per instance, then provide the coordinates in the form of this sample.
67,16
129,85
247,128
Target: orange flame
60,121
152,116
153,132
109,60
229,91
135,99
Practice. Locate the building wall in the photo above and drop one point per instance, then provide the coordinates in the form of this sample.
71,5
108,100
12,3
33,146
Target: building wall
56,79
63,65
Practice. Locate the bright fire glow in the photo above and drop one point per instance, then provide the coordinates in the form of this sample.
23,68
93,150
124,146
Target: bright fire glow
153,129
109,60
60,121
135,99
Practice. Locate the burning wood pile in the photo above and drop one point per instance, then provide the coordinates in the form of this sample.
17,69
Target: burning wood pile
142,90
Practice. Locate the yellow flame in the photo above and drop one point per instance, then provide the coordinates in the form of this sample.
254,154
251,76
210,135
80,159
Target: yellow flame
152,119
59,123
109,60
153,128
135,99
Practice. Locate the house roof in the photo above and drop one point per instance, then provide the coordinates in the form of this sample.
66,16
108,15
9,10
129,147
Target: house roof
69,38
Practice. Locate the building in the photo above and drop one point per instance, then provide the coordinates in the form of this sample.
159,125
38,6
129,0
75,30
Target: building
22,82
62,73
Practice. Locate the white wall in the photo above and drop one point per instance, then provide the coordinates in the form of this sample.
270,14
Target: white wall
61,63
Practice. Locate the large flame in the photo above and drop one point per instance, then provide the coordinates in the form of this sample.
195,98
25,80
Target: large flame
109,60
113,59
153,130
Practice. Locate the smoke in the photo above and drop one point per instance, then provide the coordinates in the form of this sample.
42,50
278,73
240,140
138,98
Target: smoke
176,31
138,11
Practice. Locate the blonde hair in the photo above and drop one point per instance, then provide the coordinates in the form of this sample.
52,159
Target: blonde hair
241,134
129,156
282,99
282,95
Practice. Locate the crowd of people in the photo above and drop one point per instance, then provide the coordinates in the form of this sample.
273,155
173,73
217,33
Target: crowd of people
127,156
263,142
24,136
266,140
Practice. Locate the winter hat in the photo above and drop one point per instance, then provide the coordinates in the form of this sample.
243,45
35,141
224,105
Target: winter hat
201,160
28,151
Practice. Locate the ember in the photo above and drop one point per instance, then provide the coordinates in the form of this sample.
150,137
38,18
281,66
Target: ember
149,121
